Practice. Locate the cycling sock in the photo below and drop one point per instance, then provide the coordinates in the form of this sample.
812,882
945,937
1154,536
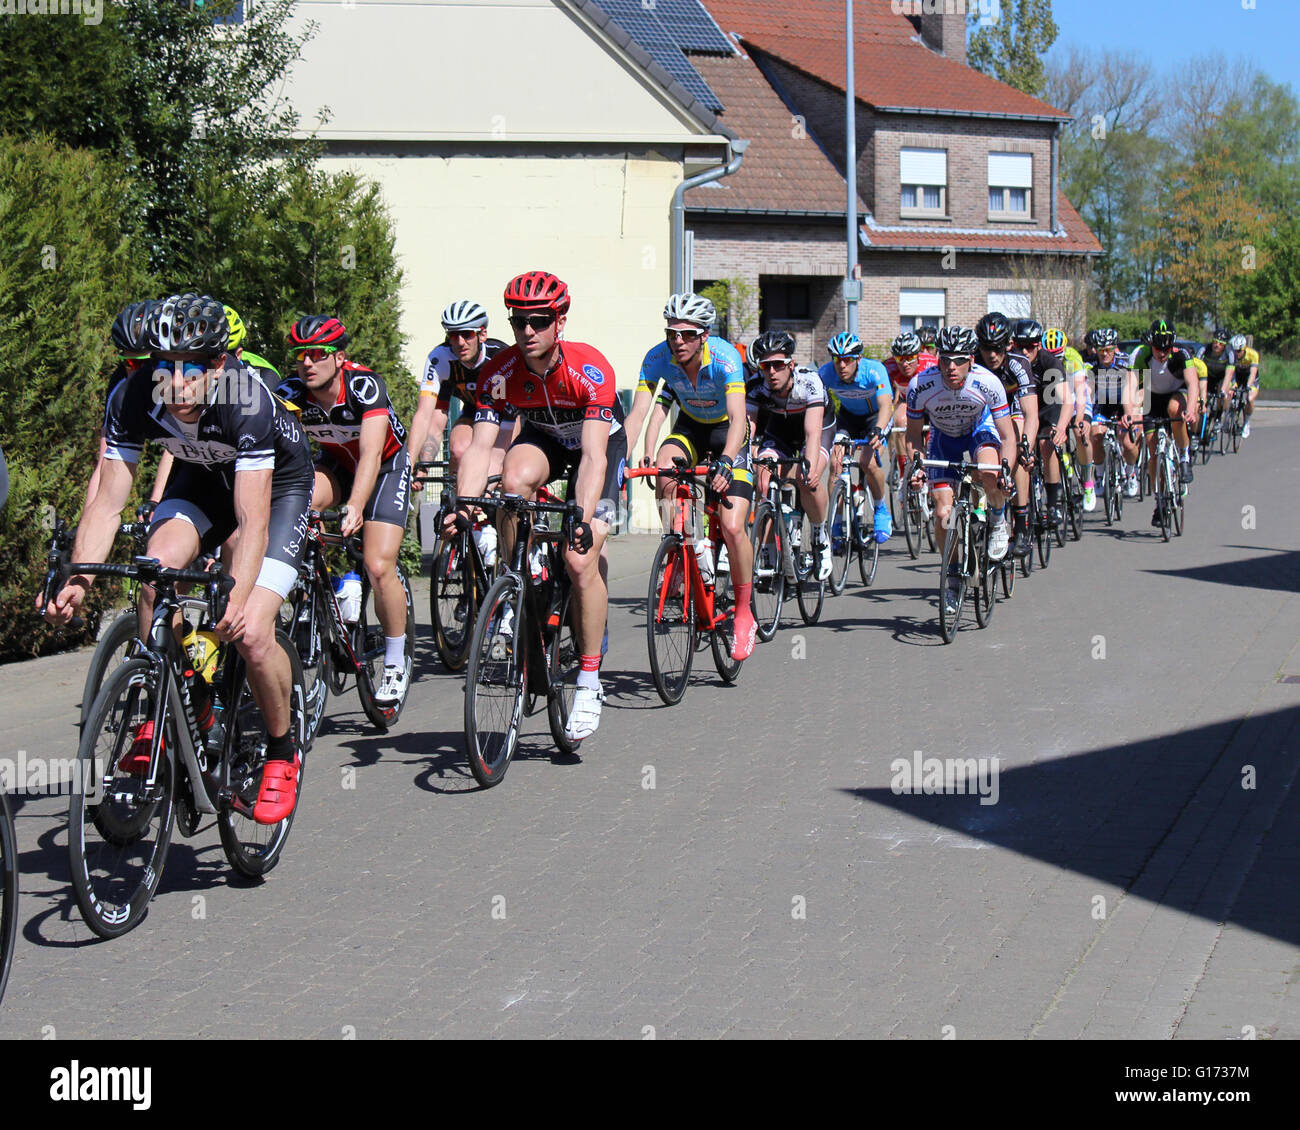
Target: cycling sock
1021,516
819,531
280,749
743,593
1053,494
589,676
998,513
395,651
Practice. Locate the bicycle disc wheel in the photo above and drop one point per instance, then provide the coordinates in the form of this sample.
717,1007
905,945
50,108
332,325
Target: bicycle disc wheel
110,652
951,552
453,600
8,891
769,576
868,550
253,848
671,631
563,662
494,681
810,592
368,642
723,635
840,518
119,827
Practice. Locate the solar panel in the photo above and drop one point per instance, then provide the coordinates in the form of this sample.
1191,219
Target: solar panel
692,26
639,19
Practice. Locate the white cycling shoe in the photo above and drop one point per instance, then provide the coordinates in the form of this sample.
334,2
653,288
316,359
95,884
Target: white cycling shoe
999,539
584,716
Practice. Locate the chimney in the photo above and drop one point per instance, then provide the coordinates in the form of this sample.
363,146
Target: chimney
943,26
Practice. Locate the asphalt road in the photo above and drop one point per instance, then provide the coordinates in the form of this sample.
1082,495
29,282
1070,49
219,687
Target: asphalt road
784,876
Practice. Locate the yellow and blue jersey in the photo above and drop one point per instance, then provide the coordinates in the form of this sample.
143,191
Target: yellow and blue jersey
861,395
704,399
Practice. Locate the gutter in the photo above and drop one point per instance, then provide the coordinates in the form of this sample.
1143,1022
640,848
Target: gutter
1056,174
935,112
677,255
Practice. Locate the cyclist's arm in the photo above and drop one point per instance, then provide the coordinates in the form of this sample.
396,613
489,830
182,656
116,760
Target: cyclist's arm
658,415
1029,406
426,429
636,417
96,531
160,479
812,430
1193,390
591,466
374,431
885,411
914,438
252,514
737,423
1078,383
1007,432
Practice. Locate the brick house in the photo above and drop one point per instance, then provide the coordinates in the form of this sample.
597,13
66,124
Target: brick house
957,177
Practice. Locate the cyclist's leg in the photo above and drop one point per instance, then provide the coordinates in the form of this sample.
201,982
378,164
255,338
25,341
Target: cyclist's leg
381,539
195,515
528,465
679,445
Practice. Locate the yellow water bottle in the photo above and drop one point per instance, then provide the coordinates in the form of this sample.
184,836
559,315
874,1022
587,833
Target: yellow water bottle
203,649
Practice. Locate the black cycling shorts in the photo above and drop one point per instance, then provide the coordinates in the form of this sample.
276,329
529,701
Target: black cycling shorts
564,462
699,440
391,498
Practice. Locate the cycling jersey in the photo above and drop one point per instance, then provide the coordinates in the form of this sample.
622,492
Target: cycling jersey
362,394
1108,382
1216,366
1162,377
1073,361
445,376
860,396
1017,380
960,411
705,398
580,387
1248,359
780,416
926,360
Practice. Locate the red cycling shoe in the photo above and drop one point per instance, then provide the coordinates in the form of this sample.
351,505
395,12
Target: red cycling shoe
279,791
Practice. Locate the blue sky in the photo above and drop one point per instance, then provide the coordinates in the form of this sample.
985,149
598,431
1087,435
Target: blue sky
1267,33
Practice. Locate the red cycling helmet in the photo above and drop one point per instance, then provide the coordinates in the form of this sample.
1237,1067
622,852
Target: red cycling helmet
537,290
318,329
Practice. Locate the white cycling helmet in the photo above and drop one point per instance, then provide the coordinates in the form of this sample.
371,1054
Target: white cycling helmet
1238,342
464,315
690,307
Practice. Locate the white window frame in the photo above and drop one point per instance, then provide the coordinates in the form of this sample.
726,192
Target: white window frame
919,306
929,169
1008,173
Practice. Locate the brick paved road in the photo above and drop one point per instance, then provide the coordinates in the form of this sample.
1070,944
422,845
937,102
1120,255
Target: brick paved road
1125,884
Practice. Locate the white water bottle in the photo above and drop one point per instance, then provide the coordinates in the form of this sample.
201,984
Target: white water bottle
348,591
704,558
486,537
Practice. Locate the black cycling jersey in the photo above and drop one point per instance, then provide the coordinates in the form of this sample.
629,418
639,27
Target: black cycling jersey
1017,378
445,377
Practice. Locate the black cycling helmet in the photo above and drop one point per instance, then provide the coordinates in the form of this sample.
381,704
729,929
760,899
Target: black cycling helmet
928,336
956,339
1162,334
1105,338
1220,334
323,330
129,329
1027,331
187,323
993,330
770,344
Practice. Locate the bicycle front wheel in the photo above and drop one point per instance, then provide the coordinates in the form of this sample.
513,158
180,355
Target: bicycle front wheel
723,635
494,681
810,591
453,600
985,579
307,629
671,631
368,643
952,560
840,520
8,891
769,574
868,551
120,826
110,652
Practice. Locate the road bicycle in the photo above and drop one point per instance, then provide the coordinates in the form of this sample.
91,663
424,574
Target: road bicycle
331,648
1209,433
1040,524
965,555
783,552
1114,473
123,811
1170,504
690,596
1234,420
1071,494
850,516
8,890
523,647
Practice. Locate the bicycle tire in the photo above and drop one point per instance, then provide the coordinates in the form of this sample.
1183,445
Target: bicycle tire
891,487
110,652
8,891
868,550
495,661
1225,431
1237,424
810,592
116,865
723,635
986,586
671,631
840,513
563,662
769,579
368,643
306,628
253,849
927,522
1007,568
913,518
948,621
1164,498
1076,520
452,588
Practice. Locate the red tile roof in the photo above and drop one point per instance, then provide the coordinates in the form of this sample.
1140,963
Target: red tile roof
892,67
1078,238
782,171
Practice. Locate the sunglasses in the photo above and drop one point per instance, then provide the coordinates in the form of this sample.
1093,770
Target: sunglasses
955,358
462,333
314,355
190,370
773,366
683,335
536,322
905,356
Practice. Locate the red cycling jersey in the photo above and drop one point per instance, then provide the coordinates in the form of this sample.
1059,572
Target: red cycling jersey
362,394
896,378
579,388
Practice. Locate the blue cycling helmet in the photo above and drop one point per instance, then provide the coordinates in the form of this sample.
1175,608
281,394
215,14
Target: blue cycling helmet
845,345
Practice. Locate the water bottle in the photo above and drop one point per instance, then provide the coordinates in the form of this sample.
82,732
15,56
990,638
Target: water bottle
486,537
704,558
348,591
202,648
724,565
537,563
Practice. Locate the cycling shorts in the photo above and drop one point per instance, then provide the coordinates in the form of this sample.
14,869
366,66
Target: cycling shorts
954,447
390,499
698,439
563,464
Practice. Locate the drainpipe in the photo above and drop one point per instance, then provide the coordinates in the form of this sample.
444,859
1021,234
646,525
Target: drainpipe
1056,172
677,264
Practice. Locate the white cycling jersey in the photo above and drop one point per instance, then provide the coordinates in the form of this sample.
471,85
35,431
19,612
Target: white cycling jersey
960,411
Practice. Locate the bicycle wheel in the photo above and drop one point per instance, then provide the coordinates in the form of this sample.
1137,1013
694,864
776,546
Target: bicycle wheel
1007,568
1164,497
1225,430
1108,485
868,550
1076,516
306,628
1042,529
494,681
769,575
724,634
110,652
8,891
253,848
119,827
563,662
809,591
913,519
951,557
927,511
453,600
1178,511
671,631
985,578
840,518
1206,438
368,643
1237,424
891,487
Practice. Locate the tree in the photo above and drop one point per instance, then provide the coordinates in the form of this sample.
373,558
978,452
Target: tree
1266,301
736,301
1011,46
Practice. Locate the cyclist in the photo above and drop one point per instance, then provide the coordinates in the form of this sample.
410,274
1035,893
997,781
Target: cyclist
571,424
787,405
451,370
1174,392
929,336
242,465
238,335
1115,402
704,377
1055,406
859,389
363,465
1218,359
1058,348
968,411
993,335
908,357
1246,374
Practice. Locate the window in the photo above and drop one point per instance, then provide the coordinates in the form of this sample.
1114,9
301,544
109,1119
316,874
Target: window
917,308
923,181
785,302
1011,182
1012,303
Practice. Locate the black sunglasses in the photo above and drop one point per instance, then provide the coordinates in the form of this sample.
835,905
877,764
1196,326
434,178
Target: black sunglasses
536,321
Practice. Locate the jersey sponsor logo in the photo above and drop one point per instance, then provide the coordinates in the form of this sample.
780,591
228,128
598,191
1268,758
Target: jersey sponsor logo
529,388
594,375
365,388
246,441
606,414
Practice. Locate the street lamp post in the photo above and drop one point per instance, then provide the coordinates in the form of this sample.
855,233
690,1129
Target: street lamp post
852,282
